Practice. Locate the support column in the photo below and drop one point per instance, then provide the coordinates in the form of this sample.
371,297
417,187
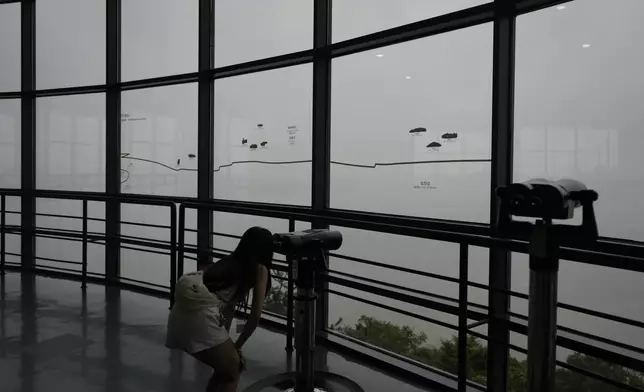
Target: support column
28,133
205,159
113,141
321,138
501,169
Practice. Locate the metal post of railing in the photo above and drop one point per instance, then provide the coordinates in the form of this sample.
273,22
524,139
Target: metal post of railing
2,234
289,295
462,317
180,251
173,251
84,285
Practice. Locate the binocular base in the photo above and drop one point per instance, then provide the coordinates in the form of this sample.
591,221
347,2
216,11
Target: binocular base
324,382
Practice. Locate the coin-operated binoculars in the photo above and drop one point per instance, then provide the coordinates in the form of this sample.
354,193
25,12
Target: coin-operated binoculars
546,201
307,250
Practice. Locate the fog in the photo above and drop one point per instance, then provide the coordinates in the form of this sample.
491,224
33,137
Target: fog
578,96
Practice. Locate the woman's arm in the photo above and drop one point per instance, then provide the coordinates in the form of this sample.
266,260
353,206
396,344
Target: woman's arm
229,314
259,293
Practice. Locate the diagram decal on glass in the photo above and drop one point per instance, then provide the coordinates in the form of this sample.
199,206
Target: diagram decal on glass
291,132
126,117
255,138
424,185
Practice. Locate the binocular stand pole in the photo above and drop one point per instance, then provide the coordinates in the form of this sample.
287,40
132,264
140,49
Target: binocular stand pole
542,316
305,324
305,377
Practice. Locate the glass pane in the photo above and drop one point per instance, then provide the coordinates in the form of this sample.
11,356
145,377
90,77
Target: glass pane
10,143
262,136
602,289
577,114
420,255
136,262
70,43
408,336
159,38
10,47
255,29
58,253
13,207
13,243
145,266
70,250
413,126
70,143
159,141
359,17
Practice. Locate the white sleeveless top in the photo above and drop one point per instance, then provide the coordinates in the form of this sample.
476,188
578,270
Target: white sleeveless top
196,322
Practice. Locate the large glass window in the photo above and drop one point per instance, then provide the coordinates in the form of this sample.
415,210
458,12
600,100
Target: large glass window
579,88
408,336
411,127
262,136
58,214
159,38
159,141
602,289
13,217
146,263
255,29
10,143
359,17
10,47
70,43
70,143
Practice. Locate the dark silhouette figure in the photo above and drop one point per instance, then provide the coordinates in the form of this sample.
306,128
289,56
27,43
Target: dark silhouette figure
263,144
253,146
192,156
178,161
434,145
260,125
244,141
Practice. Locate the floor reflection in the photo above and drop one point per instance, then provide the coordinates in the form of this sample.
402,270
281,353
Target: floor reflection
56,336
28,337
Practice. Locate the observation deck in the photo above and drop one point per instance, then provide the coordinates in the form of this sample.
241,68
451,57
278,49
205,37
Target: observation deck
64,324
137,134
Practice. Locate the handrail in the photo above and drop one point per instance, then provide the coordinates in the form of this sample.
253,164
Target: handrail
125,199
595,254
603,252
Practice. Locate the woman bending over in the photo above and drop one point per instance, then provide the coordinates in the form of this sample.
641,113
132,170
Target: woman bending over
205,303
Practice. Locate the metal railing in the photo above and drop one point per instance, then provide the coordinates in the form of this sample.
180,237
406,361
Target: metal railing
470,315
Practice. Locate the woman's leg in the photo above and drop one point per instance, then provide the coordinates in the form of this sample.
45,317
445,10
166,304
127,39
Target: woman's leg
224,360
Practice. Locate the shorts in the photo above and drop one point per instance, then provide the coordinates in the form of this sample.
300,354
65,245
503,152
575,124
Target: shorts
195,330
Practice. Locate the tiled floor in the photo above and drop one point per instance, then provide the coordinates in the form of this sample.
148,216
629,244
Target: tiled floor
56,337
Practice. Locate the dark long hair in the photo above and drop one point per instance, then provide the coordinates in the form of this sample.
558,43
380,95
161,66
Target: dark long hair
239,269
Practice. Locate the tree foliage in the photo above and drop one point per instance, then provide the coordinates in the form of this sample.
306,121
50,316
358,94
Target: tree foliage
405,341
